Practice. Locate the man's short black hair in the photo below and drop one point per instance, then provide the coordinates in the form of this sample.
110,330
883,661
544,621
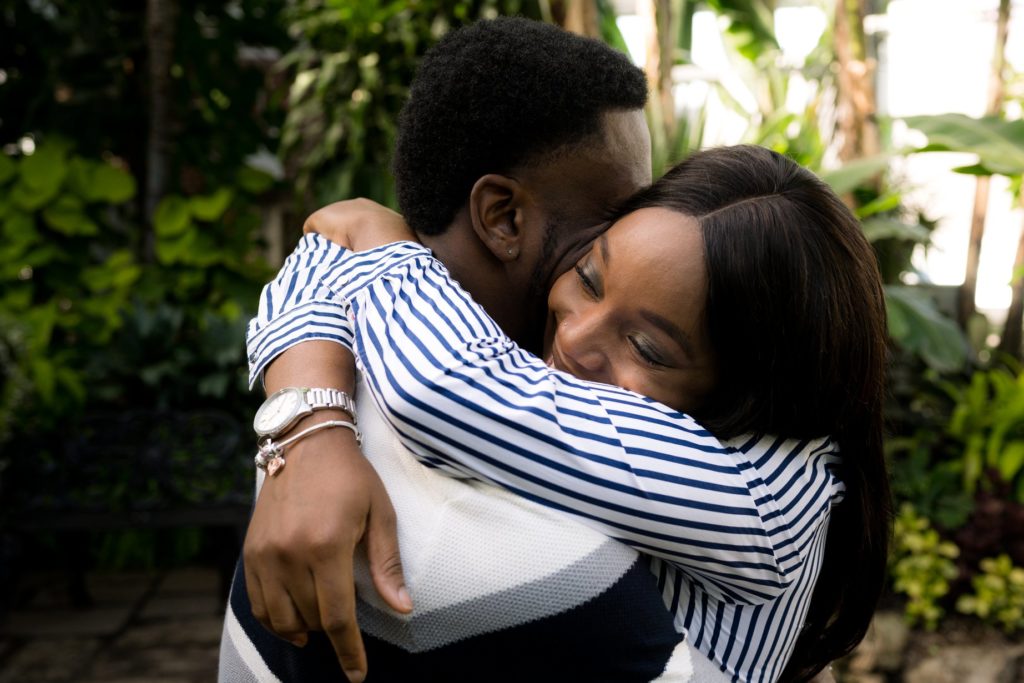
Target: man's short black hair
497,94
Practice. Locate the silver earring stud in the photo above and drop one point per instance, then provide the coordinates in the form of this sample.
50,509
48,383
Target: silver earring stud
511,251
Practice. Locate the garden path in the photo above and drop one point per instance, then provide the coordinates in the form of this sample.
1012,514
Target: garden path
164,627
157,627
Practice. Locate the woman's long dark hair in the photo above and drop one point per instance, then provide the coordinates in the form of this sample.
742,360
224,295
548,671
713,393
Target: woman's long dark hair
796,317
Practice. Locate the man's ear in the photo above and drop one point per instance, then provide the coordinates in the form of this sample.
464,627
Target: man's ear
495,210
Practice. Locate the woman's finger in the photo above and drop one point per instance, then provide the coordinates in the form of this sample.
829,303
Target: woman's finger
282,615
384,557
335,590
255,591
303,593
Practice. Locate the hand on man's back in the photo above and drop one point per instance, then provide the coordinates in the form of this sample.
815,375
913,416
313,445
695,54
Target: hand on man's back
299,548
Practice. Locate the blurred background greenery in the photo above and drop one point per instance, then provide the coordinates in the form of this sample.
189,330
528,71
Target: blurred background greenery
157,160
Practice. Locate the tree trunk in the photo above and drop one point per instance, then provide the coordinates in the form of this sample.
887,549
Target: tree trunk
1010,342
661,106
160,18
581,17
996,87
966,309
858,131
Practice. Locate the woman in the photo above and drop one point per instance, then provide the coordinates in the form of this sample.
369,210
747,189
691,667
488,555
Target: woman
737,288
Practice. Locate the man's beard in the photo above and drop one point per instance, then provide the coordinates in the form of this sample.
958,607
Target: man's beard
538,285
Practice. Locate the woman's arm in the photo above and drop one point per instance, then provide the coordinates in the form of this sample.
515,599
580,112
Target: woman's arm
466,399
308,519
359,224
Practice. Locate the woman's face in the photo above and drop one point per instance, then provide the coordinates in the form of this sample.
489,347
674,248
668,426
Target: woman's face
631,312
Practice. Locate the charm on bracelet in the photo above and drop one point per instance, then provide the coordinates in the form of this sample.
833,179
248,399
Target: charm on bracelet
270,456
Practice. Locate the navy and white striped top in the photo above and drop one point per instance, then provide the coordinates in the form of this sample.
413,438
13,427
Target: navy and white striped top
735,530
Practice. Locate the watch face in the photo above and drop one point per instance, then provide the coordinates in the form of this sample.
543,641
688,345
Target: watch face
277,411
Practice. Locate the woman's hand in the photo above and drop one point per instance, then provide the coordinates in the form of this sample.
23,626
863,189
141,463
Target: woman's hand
309,519
359,224
300,544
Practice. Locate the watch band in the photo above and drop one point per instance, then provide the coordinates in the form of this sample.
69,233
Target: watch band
319,398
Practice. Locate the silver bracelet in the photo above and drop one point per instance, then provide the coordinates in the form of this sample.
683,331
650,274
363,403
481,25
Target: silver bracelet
270,457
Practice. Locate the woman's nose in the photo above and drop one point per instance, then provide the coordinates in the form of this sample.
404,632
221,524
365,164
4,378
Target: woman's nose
581,340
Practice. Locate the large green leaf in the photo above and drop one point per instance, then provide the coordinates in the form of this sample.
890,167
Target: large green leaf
171,217
17,223
19,232
7,168
751,23
176,248
112,185
66,216
31,198
210,207
80,177
119,271
917,325
253,180
880,228
854,174
999,144
889,201
45,169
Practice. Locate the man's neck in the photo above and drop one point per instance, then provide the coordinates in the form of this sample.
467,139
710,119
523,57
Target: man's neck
483,276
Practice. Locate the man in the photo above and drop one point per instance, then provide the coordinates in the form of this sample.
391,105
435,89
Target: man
517,141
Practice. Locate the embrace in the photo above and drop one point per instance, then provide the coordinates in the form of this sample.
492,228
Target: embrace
626,431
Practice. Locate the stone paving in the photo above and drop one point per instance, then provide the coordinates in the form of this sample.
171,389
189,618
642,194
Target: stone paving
164,627
144,628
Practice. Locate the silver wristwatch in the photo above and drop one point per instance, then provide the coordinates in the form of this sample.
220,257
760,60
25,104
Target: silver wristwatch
284,408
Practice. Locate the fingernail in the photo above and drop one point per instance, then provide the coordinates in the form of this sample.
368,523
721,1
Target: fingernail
354,675
299,641
403,598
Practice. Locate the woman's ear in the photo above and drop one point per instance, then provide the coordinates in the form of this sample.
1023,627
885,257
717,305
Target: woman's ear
495,211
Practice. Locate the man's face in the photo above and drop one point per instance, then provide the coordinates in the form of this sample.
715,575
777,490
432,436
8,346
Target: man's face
577,191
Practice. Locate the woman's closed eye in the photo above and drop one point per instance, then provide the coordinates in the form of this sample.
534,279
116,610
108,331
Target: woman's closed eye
647,352
586,280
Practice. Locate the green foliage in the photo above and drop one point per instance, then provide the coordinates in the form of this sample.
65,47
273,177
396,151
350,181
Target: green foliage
15,387
999,144
352,64
926,472
915,321
998,594
953,438
916,324
856,173
71,277
66,280
101,332
988,420
79,69
921,565
102,313
188,318
751,25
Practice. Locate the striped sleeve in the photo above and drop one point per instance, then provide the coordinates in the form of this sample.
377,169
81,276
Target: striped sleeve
463,397
296,306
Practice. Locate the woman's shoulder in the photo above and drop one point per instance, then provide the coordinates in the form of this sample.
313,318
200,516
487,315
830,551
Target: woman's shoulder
793,468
